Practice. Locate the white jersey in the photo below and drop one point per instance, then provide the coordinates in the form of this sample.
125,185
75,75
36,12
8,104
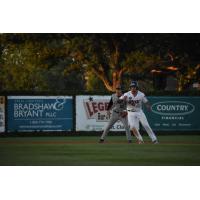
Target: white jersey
134,103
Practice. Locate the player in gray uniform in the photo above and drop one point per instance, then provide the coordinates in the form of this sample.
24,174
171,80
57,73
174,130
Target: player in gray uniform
119,112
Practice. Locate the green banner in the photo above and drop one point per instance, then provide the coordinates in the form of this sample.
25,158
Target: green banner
174,113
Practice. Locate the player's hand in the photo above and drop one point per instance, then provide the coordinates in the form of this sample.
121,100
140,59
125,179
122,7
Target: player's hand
125,98
108,113
123,114
148,106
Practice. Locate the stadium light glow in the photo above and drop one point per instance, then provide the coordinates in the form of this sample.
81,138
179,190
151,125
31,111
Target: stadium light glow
155,71
172,68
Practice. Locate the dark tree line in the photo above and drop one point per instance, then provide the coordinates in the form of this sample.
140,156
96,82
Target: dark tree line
49,62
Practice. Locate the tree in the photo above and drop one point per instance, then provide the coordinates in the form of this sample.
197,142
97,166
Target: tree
55,61
109,56
21,67
35,62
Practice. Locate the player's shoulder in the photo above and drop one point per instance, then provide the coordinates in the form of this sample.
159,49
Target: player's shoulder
113,95
141,93
127,93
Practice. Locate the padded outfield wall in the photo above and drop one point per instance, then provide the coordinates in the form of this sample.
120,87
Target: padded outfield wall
2,114
174,113
168,113
91,113
87,113
39,113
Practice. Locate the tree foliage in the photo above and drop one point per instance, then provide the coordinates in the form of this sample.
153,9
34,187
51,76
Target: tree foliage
34,62
38,62
109,56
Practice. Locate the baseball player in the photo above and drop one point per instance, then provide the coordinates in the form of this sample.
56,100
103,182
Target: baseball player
118,107
135,99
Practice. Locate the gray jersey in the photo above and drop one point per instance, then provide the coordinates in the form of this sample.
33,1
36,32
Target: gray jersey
118,104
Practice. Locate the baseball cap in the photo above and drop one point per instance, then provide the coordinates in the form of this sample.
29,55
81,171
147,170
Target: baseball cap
134,84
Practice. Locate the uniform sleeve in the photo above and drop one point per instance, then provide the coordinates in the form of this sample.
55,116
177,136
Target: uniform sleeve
110,104
144,99
123,95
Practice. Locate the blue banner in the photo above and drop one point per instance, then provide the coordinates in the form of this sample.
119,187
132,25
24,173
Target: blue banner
174,113
40,113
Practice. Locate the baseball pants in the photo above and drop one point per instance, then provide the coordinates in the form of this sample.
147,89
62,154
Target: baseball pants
113,119
135,117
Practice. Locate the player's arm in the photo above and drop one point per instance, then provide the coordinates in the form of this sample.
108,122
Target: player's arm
123,97
147,103
110,104
148,106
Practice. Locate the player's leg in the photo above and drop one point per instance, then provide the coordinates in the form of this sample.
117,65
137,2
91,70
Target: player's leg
147,127
113,119
124,121
134,126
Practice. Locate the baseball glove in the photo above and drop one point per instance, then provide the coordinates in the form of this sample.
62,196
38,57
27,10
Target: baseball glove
123,114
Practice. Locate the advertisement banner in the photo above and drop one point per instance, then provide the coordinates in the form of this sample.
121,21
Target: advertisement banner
40,113
174,113
91,114
2,114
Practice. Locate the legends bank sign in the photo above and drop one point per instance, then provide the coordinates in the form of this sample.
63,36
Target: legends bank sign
174,113
91,113
173,108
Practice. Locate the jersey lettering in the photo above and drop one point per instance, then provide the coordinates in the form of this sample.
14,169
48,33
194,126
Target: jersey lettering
133,103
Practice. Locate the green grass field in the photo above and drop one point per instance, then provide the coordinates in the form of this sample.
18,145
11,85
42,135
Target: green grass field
174,150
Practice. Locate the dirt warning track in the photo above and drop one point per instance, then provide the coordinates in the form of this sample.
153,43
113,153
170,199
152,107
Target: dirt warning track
91,142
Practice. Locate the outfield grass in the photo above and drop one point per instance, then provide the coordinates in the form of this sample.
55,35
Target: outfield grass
85,151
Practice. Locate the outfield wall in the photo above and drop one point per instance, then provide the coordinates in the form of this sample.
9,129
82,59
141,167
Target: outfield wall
87,113
39,113
174,113
2,114
91,114
168,113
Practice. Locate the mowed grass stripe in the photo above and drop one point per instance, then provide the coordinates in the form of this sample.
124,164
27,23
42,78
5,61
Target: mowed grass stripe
115,152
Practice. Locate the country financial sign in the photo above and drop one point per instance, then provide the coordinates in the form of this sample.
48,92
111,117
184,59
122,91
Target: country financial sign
173,108
174,113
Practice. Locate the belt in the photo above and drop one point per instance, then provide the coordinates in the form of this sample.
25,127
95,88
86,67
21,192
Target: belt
132,111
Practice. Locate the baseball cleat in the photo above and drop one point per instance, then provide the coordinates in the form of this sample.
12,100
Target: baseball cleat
129,141
155,142
101,141
140,142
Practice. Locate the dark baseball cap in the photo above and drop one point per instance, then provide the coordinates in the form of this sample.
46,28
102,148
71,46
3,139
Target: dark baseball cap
134,84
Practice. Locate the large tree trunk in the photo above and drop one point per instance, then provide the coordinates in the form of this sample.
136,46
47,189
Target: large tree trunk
116,79
102,76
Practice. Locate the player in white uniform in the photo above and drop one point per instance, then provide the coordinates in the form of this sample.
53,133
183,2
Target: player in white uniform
135,99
